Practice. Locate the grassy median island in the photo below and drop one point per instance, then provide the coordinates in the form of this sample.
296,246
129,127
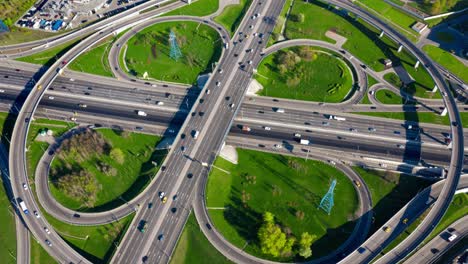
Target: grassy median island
447,60
99,170
291,189
305,74
194,248
149,50
232,15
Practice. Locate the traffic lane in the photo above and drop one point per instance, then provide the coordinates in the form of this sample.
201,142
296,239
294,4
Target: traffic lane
109,92
362,123
331,141
440,244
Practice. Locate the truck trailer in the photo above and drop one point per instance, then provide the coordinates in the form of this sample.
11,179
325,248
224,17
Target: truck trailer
23,206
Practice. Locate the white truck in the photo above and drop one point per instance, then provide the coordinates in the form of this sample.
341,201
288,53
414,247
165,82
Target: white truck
337,118
23,206
141,113
304,142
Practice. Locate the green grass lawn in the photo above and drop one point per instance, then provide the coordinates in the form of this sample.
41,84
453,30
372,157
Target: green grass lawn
194,248
94,61
38,254
148,51
389,192
20,35
370,81
457,209
422,117
399,20
232,15
389,97
324,79
284,186
197,8
49,56
7,229
448,61
132,175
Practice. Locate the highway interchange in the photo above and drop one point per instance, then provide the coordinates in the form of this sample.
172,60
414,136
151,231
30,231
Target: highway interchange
214,126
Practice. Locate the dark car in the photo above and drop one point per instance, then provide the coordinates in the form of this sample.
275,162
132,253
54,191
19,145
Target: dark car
150,205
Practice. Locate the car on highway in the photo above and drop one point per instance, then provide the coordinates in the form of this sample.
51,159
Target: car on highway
51,98
325,123
37,214
173,210
39,87
46,230
297,135
400,146
207,91
174,198
161,237
372,129
405,221
387,229
25,186
2,91
278,146
164,199
161,194
452,237
142,226
48,242
82,105
358,184
160,103
353,129
267,128
150,205
218,83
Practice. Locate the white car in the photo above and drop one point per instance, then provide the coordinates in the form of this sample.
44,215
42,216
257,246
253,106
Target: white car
154,85
51,98
46,230
207,91
37,214
160,103
249,62
25,186
72,80
218,84
297,135
162,194
48,242
267,128
277,146
2,91
452,237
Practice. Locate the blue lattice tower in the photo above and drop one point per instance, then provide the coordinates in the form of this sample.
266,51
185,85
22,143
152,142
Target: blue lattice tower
175,50
327,201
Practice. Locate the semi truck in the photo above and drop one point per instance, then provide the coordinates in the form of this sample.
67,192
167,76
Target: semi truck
304,142
337,118
23,206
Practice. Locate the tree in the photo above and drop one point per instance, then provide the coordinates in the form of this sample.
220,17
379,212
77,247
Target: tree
272,240
117,155
304,245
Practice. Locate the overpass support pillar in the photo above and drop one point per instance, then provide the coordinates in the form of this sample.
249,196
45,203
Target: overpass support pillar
416,65
435,89
381,34
400,48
